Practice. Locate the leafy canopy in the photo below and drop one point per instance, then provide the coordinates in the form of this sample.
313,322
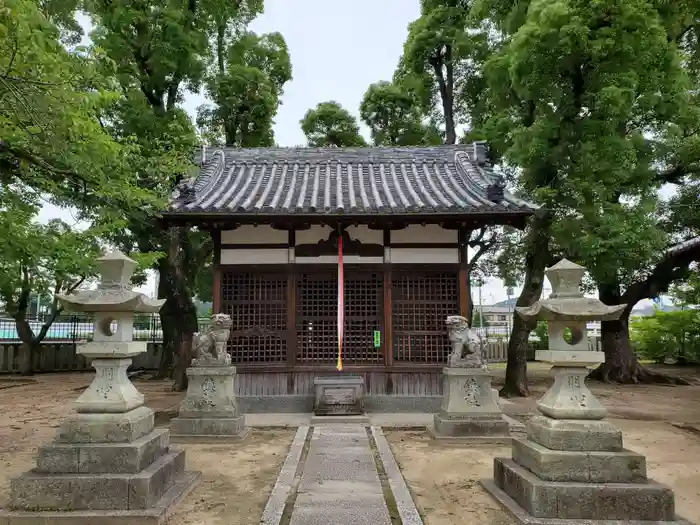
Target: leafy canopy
330,125
394,118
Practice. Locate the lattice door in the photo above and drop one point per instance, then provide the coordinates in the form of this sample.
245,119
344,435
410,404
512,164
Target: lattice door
420,304
317,317
257,304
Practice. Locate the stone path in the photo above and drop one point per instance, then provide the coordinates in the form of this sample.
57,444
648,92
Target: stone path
337,481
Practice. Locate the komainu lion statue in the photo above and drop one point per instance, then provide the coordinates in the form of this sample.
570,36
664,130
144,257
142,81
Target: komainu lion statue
467,346
209,347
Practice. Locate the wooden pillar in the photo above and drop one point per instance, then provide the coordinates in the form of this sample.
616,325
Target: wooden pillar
216,272
463,276
291,305
387,336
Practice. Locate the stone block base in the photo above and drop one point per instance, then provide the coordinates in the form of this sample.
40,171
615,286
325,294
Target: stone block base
480,426
155,515
648,501
42,491
103,458
339,395
523,518
574,435
207,426
586,467
107,428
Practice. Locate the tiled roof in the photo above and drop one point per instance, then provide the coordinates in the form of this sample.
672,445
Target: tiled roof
345,181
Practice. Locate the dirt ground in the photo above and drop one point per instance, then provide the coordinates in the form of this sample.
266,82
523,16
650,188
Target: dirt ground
236,480
443,477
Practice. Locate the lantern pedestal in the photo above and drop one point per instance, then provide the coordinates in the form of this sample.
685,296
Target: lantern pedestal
108,463
572,467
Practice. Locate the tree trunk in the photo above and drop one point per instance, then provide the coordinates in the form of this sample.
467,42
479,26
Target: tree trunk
536,260
26,360
29,345
621,364
168,327
179,309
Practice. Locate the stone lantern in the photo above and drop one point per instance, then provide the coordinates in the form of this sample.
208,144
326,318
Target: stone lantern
572,465
108,463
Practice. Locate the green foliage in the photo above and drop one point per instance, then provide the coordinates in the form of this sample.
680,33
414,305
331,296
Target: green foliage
330,125
575,90
687,293
668,335
394,117
441,64
51,101
246,90
39,259
541,331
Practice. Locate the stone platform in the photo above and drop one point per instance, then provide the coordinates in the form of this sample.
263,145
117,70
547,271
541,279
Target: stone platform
470,409
102,469
209,413
577,472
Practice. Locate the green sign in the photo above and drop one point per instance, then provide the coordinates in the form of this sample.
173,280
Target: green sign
377,339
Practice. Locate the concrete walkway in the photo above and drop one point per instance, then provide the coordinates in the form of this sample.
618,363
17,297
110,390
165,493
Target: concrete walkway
340,484
345,474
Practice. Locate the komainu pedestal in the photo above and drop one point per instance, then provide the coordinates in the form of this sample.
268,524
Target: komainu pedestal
468,410
572,467
210,411
108,464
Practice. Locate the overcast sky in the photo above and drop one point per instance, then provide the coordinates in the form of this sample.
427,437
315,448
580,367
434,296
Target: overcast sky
338,48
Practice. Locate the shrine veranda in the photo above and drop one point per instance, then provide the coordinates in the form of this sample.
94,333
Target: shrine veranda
405,216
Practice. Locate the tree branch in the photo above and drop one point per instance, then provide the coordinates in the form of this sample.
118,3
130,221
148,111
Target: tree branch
674,266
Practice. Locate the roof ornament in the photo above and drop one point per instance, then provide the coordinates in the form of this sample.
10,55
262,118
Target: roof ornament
480,152
184,191
495,191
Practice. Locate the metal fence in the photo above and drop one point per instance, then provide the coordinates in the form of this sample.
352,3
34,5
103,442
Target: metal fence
79,327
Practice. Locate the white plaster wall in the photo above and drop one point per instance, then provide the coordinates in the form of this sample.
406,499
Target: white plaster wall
255,256
424,255
332,259
430,233
365,234
312,235
248,234
360,233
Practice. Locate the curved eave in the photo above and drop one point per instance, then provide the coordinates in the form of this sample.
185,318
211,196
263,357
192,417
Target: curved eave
138,304
571,313
515,218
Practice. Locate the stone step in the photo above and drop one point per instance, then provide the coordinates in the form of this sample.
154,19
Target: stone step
41,491
103,458
649,501
340,420
481,425
588,467
207,426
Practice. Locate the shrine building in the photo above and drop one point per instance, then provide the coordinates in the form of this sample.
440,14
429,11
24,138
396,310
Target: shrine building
404,215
